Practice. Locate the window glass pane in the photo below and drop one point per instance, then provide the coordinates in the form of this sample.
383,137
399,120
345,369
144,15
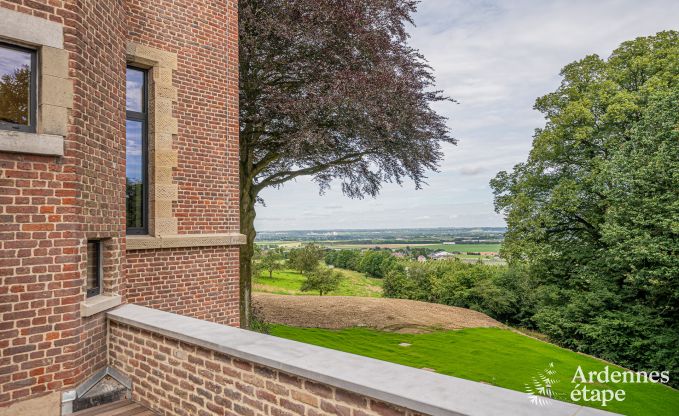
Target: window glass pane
15,86
135,90
92,268
135,174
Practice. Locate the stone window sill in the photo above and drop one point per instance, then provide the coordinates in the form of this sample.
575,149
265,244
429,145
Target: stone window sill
31,143
144,242
99,303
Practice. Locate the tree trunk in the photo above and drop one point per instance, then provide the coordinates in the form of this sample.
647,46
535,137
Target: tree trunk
247,251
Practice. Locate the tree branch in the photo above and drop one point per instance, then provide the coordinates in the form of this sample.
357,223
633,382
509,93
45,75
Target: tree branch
282,177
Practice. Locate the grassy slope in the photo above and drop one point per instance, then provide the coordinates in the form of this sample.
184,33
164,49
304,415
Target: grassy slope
499,357
288,282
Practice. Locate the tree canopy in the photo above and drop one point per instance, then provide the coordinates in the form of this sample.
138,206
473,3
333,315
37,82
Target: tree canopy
594,211
331,90
323,280
305,259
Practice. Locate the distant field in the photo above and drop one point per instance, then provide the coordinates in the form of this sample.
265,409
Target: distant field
338,244
289,282
490,355
446,247
467,247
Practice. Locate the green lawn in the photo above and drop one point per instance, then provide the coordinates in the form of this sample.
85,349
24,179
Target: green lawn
288,282
495,356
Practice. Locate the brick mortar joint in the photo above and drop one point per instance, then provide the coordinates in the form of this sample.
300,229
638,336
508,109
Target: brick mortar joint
259,388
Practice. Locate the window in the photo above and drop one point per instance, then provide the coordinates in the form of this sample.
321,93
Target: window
93,268
17,88
136,152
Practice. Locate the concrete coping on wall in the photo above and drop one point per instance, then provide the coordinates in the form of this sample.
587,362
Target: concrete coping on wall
418,390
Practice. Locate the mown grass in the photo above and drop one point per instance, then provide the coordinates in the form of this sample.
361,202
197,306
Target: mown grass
495,356
289,282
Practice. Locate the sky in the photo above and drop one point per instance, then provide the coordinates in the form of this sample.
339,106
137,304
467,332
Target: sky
495,58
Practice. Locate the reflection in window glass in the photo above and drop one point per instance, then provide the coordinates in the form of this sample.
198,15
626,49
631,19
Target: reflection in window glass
135,174
15,86
136,167
135,90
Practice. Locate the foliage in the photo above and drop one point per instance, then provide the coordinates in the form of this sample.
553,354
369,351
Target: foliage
322,279
331,90
345,259
374,263
306,258
270,260
490,355
259,324
257,268
498,291
594,211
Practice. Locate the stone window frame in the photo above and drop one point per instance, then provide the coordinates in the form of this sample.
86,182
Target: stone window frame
162,129
54,85
108,297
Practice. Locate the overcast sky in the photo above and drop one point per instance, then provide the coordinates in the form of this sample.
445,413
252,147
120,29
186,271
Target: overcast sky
495,58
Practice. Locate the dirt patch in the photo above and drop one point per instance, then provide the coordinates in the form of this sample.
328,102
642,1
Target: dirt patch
336,312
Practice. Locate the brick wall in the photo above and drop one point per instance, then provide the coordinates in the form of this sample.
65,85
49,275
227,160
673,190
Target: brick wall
176,378
204,35
197,282
49,206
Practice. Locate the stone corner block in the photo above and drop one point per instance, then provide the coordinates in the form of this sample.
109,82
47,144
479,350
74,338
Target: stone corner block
56,91
53,119
99,303
54,61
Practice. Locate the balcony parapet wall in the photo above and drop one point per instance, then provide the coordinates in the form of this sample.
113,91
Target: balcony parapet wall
185,366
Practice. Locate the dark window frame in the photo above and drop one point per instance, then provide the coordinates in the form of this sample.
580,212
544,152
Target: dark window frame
96,290
32,92
141,117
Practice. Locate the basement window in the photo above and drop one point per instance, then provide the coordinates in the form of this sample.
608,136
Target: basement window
94,267
17,88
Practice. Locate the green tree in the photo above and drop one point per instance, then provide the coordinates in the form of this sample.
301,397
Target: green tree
322,279
376,263
594,211
344,259
305,259
330,90
270,260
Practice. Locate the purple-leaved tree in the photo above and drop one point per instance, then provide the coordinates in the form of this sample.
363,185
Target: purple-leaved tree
331,90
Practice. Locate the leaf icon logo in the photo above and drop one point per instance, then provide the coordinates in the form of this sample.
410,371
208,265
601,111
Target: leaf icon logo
539,390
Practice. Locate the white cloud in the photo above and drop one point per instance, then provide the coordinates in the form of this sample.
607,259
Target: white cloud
496,58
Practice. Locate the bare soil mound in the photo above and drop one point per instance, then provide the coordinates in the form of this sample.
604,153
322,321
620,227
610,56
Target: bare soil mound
336,312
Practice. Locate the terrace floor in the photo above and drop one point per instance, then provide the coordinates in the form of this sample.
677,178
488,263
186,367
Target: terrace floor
119,408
